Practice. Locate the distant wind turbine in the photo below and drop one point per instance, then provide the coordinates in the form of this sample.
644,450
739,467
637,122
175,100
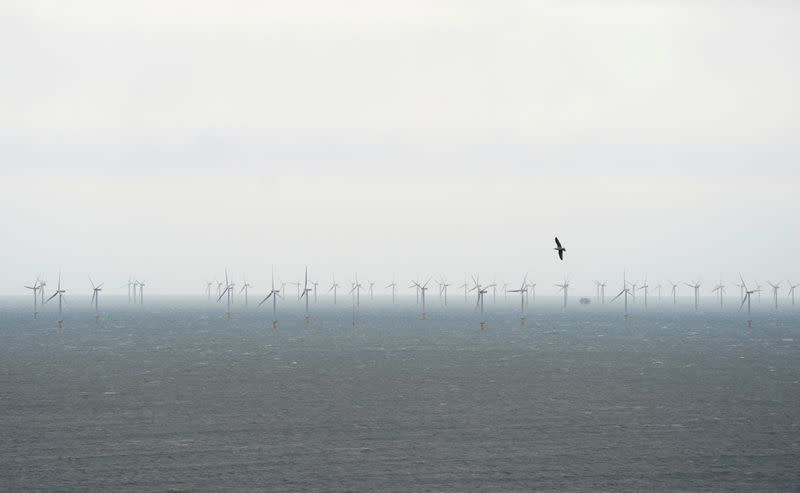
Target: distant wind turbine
35,288
95,299
304,294
421,288
696,287
226,291
775,291
564,287
747,297
625,291
245,288
790,293
60,293
274,294
334,288
523,293
393,286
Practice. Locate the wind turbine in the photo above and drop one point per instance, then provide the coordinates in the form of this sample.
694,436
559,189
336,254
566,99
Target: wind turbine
135,285
393,285
141,293
481,293
674,292
60,293
421,288
334,288
35,288
658,287
226,291
208,291
304,294
564,287
443,285
645,286
532,288
465,286
720,290
523,293
355,294
747,297
696,287
790,293
371,289
245,288
357,291
95,299
315,284
775,291
130,284
274,294
603,292
42,285
597,291
624,291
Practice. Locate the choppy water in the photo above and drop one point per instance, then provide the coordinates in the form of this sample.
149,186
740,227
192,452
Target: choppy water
173,397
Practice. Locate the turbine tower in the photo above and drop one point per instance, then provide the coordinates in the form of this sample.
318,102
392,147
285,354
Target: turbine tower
274,294
141,293
208,291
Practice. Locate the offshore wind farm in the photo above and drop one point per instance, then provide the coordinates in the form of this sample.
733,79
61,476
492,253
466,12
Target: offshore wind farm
399,246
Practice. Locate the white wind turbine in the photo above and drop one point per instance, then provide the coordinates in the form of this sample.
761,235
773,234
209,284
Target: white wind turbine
523,294
392,285
564,287
334,288
775,291
791,290
720,290
747,297
625,291
274,294
60,293
141,292
674,292
42,285
603,292
316,285
645,287
226,291
465,286
355,293
208,290
481,294
443,285
696,287
371,289
245,289
135,286
421,288
35,288
304,294
96,299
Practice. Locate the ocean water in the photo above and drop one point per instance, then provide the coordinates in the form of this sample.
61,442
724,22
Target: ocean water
171,396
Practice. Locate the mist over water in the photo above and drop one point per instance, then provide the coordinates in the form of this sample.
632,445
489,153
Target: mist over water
173,396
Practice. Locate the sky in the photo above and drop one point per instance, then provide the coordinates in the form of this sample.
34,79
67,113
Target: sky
168,140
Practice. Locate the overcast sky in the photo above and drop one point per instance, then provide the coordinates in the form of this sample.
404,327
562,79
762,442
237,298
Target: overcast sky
169,139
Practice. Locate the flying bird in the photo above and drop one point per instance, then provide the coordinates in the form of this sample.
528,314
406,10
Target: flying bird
560,249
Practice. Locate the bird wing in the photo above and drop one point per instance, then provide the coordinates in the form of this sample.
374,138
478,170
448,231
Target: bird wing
558,243
561,254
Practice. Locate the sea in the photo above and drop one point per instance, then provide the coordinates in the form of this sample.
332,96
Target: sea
174,396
